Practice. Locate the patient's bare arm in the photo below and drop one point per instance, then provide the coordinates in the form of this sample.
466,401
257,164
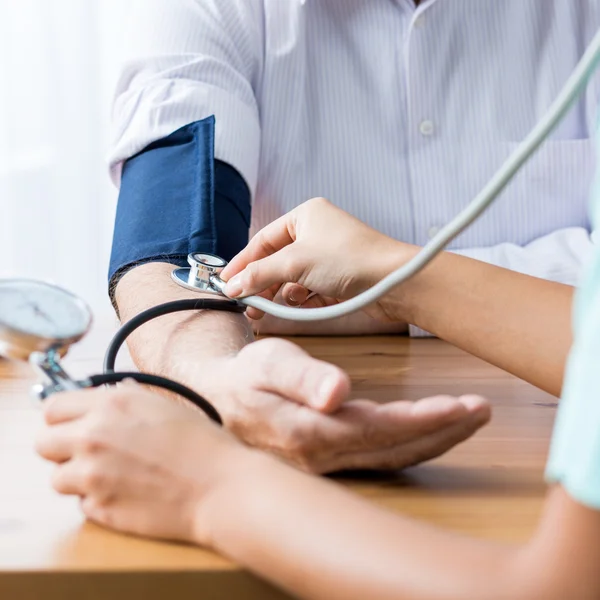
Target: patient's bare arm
273,395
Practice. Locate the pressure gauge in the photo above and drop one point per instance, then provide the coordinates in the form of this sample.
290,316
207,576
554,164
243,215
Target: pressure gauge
39,317
203,274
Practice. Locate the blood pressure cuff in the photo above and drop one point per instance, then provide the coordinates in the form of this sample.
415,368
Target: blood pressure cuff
175,199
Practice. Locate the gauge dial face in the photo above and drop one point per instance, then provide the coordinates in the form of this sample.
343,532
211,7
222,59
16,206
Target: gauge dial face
40,310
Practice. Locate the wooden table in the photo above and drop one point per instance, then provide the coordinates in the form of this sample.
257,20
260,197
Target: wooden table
491,486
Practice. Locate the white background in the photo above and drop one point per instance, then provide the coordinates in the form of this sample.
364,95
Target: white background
58,63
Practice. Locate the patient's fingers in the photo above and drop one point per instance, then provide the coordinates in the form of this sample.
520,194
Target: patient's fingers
363,434
294,294
254,313
57,443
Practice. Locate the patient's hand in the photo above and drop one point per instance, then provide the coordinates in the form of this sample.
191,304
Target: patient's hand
276,397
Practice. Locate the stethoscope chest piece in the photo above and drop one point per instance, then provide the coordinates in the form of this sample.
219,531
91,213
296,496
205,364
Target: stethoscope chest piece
203,273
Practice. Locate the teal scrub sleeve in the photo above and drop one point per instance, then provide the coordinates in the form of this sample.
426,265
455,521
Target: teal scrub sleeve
574,459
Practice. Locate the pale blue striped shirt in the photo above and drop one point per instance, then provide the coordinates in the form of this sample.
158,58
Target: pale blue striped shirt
398,114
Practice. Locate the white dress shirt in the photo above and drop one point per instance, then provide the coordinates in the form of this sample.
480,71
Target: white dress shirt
398,114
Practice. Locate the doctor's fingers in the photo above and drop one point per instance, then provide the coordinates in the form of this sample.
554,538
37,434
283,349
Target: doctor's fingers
67,406
267,241
290,265
86,477
59,443
87,432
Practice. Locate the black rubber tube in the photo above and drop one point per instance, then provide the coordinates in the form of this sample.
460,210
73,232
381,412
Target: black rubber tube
157,381
110,377
158,311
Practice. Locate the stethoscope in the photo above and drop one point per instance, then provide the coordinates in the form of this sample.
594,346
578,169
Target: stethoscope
40,321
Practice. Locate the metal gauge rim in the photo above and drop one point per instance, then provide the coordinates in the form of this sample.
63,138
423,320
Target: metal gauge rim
21,344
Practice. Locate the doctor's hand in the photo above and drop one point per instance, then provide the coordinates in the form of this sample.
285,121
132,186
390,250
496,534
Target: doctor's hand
316,248
140,462
274,396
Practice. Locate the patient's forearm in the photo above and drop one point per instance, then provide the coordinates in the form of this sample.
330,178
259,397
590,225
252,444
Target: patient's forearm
517,322
175,343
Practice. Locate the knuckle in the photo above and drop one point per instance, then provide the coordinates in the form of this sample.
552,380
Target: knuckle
89,444
301,457
271,359
346,286
118,400
317,202
304,378
96,511
90,439
269,350
40,443
308,465
267,347
251,273
94,478
50,410
262,371
293,266
299,447
295,444
56,480
370,436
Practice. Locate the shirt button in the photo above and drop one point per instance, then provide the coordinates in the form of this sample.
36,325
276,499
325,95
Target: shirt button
420,21
433,231
426,127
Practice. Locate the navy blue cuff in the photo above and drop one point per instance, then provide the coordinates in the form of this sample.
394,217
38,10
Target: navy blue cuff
175,199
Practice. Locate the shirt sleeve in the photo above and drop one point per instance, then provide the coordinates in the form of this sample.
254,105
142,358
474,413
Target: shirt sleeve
186,60
559,256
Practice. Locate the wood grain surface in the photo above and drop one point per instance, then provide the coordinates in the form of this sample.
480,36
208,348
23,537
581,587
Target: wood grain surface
491,486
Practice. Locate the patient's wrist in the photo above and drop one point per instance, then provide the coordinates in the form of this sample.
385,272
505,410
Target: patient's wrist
208,376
